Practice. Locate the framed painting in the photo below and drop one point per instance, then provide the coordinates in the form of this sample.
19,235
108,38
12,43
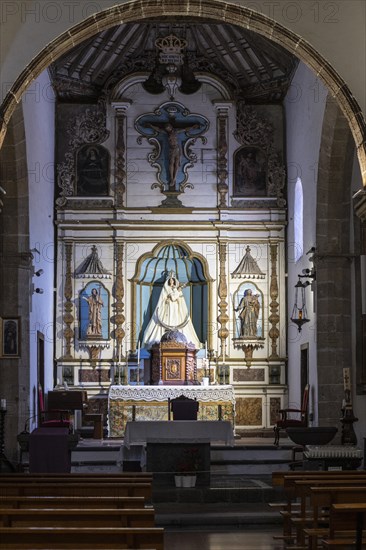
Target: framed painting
10,337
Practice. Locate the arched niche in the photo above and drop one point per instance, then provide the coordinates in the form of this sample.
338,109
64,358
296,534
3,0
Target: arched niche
151,272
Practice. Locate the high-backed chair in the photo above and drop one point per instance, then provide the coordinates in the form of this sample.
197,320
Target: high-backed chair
184,408
54,418
293,417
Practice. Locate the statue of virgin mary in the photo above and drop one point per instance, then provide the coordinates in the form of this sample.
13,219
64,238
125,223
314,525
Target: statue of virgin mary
171,313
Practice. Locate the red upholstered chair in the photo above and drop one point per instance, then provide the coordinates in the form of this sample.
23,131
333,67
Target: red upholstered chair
55,418
293,417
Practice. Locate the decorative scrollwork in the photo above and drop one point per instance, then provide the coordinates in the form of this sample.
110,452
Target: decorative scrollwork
88,127
253,130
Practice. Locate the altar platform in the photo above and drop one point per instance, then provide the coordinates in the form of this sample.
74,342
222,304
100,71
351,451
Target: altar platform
151,403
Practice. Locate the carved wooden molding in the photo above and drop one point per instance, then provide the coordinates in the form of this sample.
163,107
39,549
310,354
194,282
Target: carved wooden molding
223,317
68,306
222,171
254,130
88,127
120,162
119,318
274,318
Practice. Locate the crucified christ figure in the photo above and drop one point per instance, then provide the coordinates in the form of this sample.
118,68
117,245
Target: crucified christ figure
174,148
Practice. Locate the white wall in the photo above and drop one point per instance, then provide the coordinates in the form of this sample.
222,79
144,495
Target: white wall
304,108
39,122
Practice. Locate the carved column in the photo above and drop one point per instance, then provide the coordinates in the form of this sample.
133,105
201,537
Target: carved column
274,317
223,317
222,110
120,292
120,159
68,306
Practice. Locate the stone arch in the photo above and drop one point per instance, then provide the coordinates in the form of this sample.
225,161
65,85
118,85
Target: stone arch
208,10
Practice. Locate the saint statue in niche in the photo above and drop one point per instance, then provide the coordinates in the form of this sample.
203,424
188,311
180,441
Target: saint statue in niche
95,304
249,307
250,173
92,171
171,313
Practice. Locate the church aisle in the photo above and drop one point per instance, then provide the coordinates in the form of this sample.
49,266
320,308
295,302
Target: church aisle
244,539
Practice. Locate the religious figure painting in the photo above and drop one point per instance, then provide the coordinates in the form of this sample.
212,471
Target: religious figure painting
92,171
94,308
172,130
10,337
250,172
248,304
171,313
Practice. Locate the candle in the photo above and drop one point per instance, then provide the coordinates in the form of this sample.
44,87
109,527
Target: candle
3,404
138,353
206,349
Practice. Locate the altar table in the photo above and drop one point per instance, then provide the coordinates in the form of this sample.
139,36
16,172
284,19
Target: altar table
215,431
150,403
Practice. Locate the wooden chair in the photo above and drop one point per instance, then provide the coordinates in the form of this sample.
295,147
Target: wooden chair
293,417
55,418
184,408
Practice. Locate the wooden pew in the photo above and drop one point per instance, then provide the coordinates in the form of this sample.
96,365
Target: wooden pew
292,492
71,478
71,502
82,538
325,497
77,489
279,476
349,521
308,517
77,517
83,475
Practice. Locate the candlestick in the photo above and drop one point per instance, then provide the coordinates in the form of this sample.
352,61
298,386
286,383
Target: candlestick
127,384
138,363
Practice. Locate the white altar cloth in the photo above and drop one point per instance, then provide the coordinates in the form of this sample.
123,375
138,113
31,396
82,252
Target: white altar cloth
216,431
162,393
150,403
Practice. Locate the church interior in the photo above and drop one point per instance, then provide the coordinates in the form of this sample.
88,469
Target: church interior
183,217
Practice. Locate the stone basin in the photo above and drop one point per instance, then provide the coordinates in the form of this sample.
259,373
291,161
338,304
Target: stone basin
312,436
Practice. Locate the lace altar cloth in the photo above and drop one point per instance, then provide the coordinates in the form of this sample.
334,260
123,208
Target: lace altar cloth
162,393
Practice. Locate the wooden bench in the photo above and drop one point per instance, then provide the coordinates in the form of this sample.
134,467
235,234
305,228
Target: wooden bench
71,502
77,517
82,538
278,477
71,478
291,482
302,490
83,475
325,497
346,526
311,517
77,489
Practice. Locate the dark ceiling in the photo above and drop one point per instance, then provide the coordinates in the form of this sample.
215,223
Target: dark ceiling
254,67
